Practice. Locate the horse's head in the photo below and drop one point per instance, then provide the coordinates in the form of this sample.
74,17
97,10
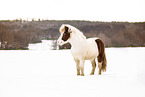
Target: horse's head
65,33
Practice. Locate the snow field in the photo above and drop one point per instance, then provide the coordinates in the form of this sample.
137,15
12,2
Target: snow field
52,73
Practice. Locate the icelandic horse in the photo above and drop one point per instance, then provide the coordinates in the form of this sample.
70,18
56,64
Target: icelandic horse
83,49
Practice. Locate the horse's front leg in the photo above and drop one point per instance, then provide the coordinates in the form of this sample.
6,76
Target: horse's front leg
77,65
82,67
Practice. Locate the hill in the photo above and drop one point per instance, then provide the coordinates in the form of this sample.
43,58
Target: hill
18,34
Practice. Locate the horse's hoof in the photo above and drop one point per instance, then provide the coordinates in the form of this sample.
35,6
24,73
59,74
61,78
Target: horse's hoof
78,74
99,73
82,74
91,73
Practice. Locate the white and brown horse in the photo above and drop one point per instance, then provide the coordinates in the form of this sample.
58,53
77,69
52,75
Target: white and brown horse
83,49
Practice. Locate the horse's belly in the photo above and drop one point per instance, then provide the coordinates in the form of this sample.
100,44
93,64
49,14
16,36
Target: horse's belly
92,51
90,57
91,54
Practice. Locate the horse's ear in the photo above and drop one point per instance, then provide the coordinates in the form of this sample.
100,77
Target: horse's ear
66,29
69,31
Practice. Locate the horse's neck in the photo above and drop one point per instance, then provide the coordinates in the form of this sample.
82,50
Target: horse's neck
77,41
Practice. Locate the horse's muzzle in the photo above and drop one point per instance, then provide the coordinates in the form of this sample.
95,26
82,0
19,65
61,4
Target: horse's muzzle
61,42
58,42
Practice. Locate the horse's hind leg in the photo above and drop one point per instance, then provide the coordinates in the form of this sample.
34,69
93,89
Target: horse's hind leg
78,66
93,67
100,67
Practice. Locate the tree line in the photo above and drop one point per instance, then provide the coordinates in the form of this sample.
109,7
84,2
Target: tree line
18,34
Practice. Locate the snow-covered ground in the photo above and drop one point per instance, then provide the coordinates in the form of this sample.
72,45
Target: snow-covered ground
52,73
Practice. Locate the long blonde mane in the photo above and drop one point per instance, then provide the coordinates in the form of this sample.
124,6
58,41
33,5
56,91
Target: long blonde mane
75,30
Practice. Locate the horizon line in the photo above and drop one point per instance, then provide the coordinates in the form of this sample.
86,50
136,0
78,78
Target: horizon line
40,19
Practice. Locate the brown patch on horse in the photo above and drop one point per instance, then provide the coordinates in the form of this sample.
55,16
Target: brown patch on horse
66,34
101,48
101,57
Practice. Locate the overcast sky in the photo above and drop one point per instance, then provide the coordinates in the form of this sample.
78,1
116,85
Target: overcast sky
93,10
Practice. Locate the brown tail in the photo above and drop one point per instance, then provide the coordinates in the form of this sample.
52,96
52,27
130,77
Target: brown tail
102,56
104,64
